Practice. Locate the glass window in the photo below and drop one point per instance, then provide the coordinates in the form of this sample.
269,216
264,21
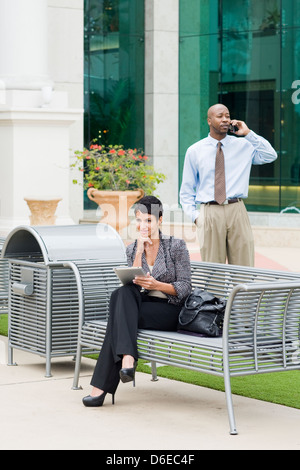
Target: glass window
250,55
290,118
114,72
198,69
252,66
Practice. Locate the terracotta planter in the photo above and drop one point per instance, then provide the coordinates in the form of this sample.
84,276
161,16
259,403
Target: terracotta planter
115,205
42,211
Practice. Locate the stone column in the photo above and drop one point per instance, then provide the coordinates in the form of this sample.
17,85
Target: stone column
35,119
161,92
23,44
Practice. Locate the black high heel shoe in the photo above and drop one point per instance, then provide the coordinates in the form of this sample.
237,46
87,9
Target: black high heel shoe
128,374
96,401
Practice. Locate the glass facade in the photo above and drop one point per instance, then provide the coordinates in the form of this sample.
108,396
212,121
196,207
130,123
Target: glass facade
246,55
114,73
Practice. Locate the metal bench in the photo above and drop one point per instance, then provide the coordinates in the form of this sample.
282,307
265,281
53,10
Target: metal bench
3,282
261,326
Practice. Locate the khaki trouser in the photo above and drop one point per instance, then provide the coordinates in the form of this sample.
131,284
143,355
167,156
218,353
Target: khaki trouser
225,232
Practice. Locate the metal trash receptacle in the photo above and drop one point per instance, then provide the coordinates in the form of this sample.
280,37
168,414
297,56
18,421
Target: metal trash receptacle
43,305
3,281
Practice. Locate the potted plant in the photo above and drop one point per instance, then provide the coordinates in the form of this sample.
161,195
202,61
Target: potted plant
115,178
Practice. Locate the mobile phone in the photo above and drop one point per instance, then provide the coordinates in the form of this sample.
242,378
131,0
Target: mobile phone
232,128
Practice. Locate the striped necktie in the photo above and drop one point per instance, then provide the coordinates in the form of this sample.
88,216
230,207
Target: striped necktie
220,187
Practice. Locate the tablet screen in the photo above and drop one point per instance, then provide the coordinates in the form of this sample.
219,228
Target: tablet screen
126,274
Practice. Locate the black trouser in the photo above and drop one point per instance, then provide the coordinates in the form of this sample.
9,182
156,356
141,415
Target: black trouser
129,309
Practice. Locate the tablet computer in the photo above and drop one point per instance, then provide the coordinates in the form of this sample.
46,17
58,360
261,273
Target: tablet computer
126,274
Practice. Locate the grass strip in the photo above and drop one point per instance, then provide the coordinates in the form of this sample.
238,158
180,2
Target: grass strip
3,325
282,388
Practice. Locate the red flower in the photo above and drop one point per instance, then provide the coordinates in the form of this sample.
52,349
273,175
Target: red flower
112,151
92,147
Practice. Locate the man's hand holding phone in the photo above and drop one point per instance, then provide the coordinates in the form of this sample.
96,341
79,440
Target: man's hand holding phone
239,128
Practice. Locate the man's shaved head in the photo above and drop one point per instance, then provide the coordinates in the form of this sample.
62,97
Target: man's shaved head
218,119
216,108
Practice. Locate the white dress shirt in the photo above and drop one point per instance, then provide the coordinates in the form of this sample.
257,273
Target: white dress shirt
240,153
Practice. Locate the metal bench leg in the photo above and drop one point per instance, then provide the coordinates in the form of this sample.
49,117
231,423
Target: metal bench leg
48,366
10,361
48,325
77,368
80,323
230,411
154,371
226,372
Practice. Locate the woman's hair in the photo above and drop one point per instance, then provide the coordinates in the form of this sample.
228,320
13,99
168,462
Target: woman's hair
149,205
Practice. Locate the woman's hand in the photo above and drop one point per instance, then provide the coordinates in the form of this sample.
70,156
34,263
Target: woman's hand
142,243
150,283
147,282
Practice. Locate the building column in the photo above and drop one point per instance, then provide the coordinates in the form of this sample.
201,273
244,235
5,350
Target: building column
161,92
35,119
23,44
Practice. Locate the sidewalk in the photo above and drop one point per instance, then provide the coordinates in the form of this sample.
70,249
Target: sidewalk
266,257
39,413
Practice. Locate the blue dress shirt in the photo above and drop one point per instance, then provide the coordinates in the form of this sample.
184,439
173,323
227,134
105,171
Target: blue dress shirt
240,154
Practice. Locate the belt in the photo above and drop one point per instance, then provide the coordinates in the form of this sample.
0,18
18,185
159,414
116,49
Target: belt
227,201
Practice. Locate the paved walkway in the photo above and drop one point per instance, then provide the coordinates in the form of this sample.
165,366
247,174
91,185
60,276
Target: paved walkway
278,258
45,413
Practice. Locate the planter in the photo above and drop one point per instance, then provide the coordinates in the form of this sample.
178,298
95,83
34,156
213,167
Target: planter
115,205
42,211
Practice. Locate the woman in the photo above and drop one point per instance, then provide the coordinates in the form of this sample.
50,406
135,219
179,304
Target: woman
167,283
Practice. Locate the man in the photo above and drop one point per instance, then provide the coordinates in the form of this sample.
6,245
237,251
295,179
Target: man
224,229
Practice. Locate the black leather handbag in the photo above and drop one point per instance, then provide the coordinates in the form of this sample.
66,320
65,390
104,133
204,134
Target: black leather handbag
202,313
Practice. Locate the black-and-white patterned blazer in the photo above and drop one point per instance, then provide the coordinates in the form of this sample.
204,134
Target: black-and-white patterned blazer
172,265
